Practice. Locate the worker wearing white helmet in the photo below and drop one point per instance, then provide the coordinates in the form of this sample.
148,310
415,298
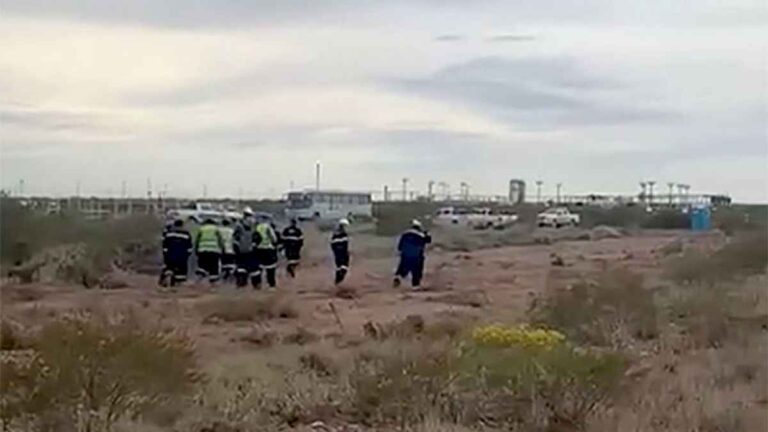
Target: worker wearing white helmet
412,246
340,248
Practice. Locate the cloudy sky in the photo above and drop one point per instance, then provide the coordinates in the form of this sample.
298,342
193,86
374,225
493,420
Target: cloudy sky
243,96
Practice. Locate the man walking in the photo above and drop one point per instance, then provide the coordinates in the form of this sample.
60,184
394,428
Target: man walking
340,248
293,241
209,247
266,250
228,253
245,254
411,247
177,246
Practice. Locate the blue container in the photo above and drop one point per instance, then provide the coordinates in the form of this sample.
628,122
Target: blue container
701,219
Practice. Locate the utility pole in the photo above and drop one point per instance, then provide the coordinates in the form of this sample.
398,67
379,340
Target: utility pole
538,191
558,186
430,186
643,186
671,186
386,193
650,191
317,176
405,188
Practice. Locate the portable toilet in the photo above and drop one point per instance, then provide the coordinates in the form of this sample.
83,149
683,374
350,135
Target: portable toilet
701,219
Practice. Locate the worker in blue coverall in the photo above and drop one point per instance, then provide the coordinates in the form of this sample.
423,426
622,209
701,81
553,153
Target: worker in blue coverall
411,247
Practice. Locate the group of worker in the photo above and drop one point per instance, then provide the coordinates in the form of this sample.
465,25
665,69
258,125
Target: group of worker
248,248
242,250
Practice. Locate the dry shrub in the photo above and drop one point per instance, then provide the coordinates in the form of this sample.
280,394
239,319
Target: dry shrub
318,363
252,308
612,310
401,384
260,337
405,384
10,339
416,327
300,336
473,299
746,255
556,389
89,373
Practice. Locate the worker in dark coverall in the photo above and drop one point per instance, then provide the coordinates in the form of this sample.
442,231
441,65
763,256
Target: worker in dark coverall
340,248
177,246
411,247
246,262
293,241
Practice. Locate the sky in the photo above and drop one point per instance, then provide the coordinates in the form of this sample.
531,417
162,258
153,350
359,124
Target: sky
241,98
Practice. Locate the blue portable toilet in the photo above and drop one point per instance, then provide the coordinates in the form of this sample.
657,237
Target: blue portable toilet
701,219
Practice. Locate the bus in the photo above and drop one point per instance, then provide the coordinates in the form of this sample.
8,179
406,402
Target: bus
328,205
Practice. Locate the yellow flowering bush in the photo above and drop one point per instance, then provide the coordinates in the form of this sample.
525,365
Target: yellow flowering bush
497,335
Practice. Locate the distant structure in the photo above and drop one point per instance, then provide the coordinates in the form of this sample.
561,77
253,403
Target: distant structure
516,191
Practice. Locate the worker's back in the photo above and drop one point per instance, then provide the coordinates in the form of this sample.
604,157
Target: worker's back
209,239
227,238
265,234
413,243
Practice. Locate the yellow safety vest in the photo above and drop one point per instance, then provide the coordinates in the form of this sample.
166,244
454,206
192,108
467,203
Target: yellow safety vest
208,240
227,234
266,236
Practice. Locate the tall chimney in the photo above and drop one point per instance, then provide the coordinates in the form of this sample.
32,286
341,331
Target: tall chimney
317,176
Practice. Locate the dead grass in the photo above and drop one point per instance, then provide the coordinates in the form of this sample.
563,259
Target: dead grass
613,309
246,308
10,338
90,372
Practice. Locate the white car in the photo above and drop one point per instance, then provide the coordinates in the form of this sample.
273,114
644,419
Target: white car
198,212
475,217
557,217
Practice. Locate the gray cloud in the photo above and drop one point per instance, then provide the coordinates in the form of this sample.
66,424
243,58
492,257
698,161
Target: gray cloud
50,120
226,14
449,38
511,37
537,92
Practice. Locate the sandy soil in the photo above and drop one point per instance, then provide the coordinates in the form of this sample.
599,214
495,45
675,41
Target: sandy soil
490,284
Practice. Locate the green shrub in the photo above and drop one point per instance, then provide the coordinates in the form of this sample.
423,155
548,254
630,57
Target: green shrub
609,311
556,389
24,233
667,219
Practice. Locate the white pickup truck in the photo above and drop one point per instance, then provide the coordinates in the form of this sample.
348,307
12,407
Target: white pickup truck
557,217
474,217
200,211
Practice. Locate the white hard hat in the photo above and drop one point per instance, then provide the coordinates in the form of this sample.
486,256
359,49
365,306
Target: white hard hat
248,211
416,223
344,222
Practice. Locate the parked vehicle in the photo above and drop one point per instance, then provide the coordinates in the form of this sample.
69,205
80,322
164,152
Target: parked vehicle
557,217
328,205
482,217
200,211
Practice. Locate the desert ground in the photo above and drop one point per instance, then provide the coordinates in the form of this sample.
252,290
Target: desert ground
244,335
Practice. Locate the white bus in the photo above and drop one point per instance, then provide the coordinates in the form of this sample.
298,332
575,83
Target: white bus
328,204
